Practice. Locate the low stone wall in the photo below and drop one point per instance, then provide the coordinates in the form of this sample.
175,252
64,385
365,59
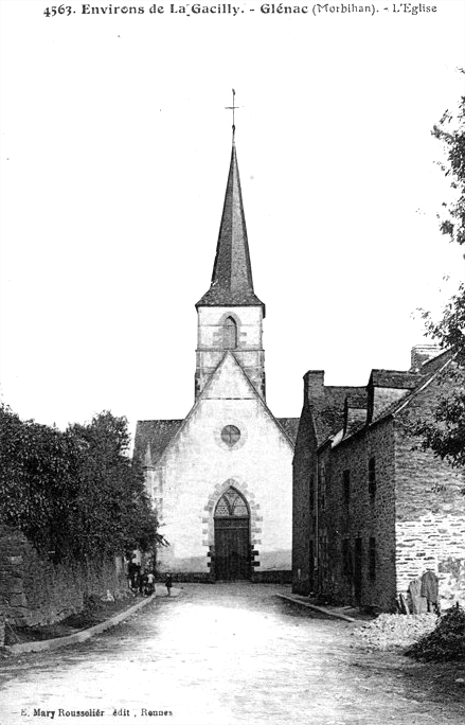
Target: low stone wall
34,591
279,576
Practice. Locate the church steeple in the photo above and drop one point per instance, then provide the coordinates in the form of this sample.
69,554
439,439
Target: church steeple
230,315
232,283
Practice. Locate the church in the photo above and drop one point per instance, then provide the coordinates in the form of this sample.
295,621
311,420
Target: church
221,479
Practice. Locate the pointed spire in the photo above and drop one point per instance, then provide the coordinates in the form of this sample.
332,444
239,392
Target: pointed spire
232,272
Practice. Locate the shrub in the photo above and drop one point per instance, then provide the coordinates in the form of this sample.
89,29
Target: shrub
446,642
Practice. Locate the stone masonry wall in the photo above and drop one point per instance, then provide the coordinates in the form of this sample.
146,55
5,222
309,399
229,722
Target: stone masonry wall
363,517
34,591
304,468
430,527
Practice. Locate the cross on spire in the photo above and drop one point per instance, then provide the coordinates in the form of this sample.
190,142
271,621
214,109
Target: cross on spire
233,109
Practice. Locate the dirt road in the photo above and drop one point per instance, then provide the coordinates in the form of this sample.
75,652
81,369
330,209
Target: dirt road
221,655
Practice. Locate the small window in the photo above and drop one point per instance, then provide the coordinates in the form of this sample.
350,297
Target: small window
230,334
346,487
347,559
311,493
322,488
372,558
324,558
372,477
230,435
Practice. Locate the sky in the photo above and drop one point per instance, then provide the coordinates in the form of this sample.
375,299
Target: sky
115,148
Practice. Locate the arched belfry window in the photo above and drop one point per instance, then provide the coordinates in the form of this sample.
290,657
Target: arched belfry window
231,504
230,334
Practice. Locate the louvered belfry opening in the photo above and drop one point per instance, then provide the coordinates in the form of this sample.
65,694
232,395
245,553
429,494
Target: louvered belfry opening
232,537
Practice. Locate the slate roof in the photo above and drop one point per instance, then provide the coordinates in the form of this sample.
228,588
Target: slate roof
291,426
356,413
232,283
424,375
155,433
329,417
394,379
436,363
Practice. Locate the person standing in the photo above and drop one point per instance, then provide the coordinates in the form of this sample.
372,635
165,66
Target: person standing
150,584
430,590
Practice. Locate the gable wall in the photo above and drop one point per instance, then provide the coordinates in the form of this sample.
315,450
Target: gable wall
198,467
304,467
384,397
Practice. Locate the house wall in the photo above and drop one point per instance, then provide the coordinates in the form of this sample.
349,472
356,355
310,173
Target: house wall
416,517
303,525
34,591
321,527
363,517
430,526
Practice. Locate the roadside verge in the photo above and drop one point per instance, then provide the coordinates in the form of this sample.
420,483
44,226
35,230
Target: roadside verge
76,637
322,610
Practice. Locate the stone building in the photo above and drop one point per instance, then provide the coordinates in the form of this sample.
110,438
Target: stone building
221,479
372,509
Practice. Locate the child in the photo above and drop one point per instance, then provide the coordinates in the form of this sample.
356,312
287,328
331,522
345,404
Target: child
150,584
168,583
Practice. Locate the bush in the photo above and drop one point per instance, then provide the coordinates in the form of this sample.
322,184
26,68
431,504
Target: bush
74,493
446,642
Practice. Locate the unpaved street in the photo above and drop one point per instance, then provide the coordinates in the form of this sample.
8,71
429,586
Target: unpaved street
220,654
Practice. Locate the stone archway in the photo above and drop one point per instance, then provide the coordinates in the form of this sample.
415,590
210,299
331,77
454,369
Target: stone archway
232,537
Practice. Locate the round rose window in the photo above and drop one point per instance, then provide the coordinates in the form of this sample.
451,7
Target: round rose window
230,435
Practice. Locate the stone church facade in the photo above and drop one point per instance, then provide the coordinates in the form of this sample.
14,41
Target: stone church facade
221,479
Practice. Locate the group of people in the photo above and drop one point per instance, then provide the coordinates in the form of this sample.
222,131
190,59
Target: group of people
423,595
143,582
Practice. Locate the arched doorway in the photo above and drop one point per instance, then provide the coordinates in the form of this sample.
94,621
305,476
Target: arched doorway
232,537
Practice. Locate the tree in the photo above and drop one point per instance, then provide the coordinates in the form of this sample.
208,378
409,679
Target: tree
112,511
35,478
74,494
445,434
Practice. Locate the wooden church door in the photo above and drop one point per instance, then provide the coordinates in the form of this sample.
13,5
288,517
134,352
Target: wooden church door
232,537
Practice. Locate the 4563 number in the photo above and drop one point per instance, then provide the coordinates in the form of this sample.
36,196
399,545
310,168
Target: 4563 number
58,10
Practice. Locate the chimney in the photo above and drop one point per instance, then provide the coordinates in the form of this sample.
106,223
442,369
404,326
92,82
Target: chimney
314,387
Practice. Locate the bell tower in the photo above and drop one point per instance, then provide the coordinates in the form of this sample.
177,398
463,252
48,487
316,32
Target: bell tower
230,315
